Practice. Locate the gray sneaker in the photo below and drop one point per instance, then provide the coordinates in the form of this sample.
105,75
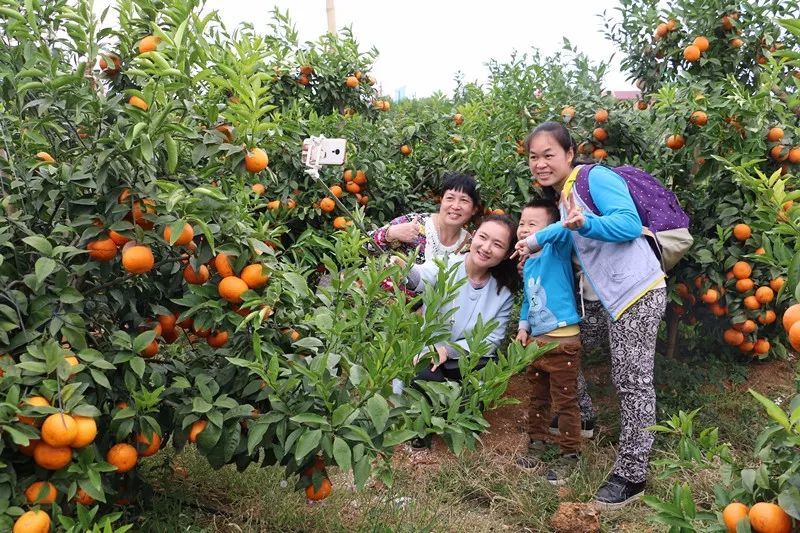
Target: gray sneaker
533,456
562,469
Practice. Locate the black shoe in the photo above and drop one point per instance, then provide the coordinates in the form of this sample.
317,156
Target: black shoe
616,492
421,443
562,469
587,427
533,457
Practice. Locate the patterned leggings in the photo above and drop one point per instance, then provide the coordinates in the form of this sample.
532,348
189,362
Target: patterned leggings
632,340
594,336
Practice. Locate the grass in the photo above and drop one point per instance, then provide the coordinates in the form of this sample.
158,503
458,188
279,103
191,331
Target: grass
477,492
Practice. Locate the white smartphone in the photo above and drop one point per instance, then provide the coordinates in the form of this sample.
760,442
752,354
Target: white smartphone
324,151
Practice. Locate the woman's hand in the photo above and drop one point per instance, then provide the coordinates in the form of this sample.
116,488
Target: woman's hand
442,352
522,336
395,260
406,232
575,218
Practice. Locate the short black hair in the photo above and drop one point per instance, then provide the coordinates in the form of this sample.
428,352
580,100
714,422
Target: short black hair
546,204
461,182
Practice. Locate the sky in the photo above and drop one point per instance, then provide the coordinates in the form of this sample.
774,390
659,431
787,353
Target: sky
423,43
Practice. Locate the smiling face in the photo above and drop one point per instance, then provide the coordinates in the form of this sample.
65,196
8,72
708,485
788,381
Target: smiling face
548,161
532,220
490,244
457,208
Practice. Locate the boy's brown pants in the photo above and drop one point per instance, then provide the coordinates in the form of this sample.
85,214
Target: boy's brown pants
554,377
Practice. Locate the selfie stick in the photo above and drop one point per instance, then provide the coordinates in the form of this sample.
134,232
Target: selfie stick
312,162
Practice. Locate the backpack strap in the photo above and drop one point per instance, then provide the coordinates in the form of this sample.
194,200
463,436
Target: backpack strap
582,187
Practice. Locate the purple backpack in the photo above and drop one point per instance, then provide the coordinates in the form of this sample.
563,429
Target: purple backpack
658,208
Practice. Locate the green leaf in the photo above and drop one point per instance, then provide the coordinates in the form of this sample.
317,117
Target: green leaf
361,472
793,279
44,267
310,418
142,340
393,438
307,442
341,452
378,411
172,153
147,148
774,412
200,406
40,244
137,365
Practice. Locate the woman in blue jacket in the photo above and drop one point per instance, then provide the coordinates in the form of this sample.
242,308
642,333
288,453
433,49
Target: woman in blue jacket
623,271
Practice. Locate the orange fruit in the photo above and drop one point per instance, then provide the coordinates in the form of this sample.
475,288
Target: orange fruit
777,153
187,234
217,339
600,134
87,431
742,269
732,514
661,30
363,200
568,112
717,309
253,275
34,401
675,142
726,23
273,205
405,149
682,290
341,223
59,429
764,295
710,296
167,322
256,160
347,176
52,457
351,82
601,115
353,187
44,156
691,53
458,118
138,259
118,238
641,105
733,337
794,155
336,191
196,278
197,427
232,288
751,303
226,130
794,335
123,456
746,347
83,498
149,44
360,178
135,101
736,42
41,492
748,326
776,284
761,346
102,249
744,285
701,43
760,251
291,203
103,64
600,153
775,134
32,522
319,494
223,265
769,518
150,350
699,118
306,70
148,446
672,24
138,215
258,188
327,205
767,317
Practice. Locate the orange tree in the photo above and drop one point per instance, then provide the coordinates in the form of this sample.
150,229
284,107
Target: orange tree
161,253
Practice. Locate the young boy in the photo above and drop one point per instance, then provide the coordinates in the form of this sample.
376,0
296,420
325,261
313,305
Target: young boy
549,314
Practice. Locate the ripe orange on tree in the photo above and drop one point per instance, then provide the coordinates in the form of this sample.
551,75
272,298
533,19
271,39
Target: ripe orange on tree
341,223
135,101
87,431
405,149
150,350
794,335
742,269
52,457
347,176
699,118
351,82
701,42
675,141
777,153
148,446
744,285
102,249
118,238
41,492
764,295
736,42
273,205
767,317
600,153
258,189
733,337
794,155
353,187
226,130
327,205
568,113
197,427
83,498
661,30
776,284
360,178
600,134
253,275
33,401
769,518
59,429
123,456
32,522
761,346
742,232
231,289
187,234
791,316
149,44
732,514
218,338
323,492
775,134
167,322
223,265
746,347
103,64
198,277
255,160
748,326
601,115
710,296
458,119
750,302
691,53
336,191
138,259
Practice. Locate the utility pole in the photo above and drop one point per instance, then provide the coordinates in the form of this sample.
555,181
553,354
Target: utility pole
331,12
